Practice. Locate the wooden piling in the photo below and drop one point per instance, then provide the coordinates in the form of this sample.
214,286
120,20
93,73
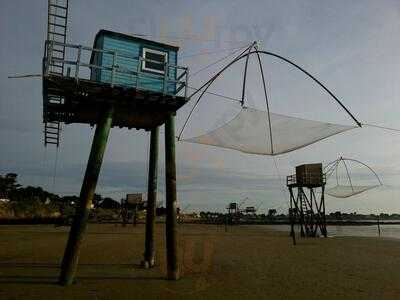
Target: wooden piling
149,251
171,227
379,226
291,217
78,228
325,231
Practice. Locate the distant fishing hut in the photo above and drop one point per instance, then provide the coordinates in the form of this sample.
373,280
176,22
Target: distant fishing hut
306,209
122,81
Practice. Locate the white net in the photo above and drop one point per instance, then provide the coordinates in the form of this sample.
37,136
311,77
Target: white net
349,177
257,132
343,191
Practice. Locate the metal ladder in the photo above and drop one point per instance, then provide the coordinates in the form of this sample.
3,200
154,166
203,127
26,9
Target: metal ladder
57,32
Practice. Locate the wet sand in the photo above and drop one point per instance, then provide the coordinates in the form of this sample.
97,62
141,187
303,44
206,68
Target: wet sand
248,262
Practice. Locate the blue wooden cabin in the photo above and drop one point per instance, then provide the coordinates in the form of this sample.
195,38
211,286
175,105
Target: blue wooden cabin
139,77
138,63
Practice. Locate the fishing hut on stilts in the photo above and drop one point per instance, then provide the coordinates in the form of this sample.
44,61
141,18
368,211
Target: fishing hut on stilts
122,81
307,209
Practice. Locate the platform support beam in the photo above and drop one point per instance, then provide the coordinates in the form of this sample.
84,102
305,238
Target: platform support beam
292,216
72,250
324,232
149,251
171,227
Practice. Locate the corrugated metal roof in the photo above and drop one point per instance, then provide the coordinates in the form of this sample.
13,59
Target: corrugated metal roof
133,38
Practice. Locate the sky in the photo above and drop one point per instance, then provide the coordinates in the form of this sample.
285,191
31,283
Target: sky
351,46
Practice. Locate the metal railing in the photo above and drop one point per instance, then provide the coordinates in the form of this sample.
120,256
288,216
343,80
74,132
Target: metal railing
306,179
78,65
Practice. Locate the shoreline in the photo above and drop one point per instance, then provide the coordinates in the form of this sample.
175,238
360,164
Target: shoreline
251,262
61,222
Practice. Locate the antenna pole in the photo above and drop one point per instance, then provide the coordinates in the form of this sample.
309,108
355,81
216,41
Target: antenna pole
78,228
149,252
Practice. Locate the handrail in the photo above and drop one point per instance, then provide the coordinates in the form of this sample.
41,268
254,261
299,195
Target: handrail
178,77
292,179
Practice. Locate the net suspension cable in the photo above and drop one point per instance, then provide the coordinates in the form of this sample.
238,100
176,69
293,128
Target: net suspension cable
348,174
208,52
245,54
203,88
217,61
55,170
330,168
269,119
365,165
341,190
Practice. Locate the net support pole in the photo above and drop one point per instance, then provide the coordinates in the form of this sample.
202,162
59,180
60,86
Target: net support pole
171,228
324,233
149,251
301,204
71,255
291,216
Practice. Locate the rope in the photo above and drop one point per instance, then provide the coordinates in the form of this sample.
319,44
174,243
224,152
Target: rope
348,175
330,168
381,127
357,161
212,79
309,75
55,170
206,85
216,62
209,52
283,190
294,65
219,95
194,38
44,166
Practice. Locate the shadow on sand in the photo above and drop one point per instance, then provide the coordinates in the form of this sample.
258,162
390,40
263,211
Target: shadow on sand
53,280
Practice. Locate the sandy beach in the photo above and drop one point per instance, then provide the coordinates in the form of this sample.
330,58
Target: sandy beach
248,262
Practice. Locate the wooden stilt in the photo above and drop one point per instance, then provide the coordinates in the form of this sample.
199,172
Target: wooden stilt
171,199
325,232
71,254
379,227
149,251
291,216
134,218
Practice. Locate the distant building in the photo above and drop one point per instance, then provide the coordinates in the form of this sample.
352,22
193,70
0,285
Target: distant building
133,200
109,203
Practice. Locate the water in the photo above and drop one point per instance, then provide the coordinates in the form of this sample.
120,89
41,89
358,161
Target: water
387,230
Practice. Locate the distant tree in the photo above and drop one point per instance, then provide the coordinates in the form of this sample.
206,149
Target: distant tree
383,216
8,183
271,213
337,215
109,203
70,200
160,211
96,200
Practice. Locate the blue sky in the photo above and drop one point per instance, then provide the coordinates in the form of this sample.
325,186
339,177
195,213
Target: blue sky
351,46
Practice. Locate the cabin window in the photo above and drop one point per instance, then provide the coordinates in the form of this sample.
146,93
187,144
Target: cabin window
155,61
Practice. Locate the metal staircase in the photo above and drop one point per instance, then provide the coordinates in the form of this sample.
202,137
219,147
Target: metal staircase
57,32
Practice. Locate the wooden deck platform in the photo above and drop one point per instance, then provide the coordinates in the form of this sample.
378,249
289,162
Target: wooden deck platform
134,108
